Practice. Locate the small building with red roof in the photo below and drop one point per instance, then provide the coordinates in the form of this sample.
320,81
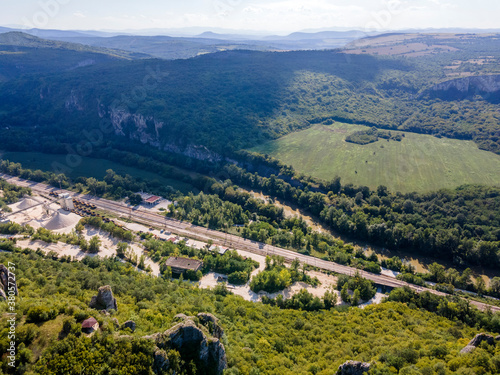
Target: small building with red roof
90,325
152,200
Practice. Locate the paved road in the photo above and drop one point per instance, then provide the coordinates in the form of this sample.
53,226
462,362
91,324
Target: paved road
223,239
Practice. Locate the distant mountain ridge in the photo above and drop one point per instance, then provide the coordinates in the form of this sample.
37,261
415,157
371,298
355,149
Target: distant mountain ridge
20,39
174,47
179,46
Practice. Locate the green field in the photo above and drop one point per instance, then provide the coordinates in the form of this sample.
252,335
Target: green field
89,167
417,163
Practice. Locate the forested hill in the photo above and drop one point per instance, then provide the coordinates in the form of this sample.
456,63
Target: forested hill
22,54
231,100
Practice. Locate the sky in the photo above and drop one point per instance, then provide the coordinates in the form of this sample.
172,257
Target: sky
276,16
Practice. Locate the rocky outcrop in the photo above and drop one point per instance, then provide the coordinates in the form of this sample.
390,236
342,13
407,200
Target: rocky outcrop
146,129
129,324
142,128
488,83
104,299
74,102
194,152
487,86
212,323
353,368
4,283
161,364
476,341
181,317
194,343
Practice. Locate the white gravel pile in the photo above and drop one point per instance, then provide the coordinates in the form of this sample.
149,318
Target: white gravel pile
27,203
61,220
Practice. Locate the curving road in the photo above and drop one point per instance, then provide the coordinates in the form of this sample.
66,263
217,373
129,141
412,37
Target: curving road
223,239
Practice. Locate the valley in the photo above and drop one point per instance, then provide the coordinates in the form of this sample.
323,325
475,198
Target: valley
222,203
185,229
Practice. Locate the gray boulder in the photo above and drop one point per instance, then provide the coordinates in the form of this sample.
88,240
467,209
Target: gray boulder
212,323
194,343
4,283
129,324
161,364
104,299
181,317
476,341
353,368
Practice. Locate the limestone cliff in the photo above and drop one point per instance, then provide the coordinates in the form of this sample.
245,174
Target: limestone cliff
146,129
485,86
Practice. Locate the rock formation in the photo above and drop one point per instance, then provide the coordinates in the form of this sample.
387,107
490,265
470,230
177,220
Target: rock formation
476,341
104,299
181,317
212,323
486,86
129,324
353,368
161,364
485,83
194,343
4,282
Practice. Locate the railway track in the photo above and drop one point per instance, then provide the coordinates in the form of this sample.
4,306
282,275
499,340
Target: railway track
224,239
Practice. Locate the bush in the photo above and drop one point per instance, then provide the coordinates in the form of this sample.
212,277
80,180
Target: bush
364,286
39,314
238,277
193,276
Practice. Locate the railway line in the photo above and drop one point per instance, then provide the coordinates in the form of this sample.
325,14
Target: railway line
224,239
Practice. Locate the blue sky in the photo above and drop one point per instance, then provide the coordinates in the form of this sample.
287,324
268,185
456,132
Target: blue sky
279,16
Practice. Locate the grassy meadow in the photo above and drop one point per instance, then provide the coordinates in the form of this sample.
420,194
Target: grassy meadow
89,167
417,163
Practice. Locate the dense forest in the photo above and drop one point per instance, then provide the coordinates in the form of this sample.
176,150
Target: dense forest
235,99
396,337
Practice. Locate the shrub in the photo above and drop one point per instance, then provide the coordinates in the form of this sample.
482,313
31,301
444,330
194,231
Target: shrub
39,314
238,278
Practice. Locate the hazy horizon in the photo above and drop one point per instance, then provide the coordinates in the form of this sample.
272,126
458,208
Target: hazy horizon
257,16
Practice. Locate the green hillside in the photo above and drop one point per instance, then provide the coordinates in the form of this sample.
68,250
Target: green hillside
238,99
417,163
54,296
